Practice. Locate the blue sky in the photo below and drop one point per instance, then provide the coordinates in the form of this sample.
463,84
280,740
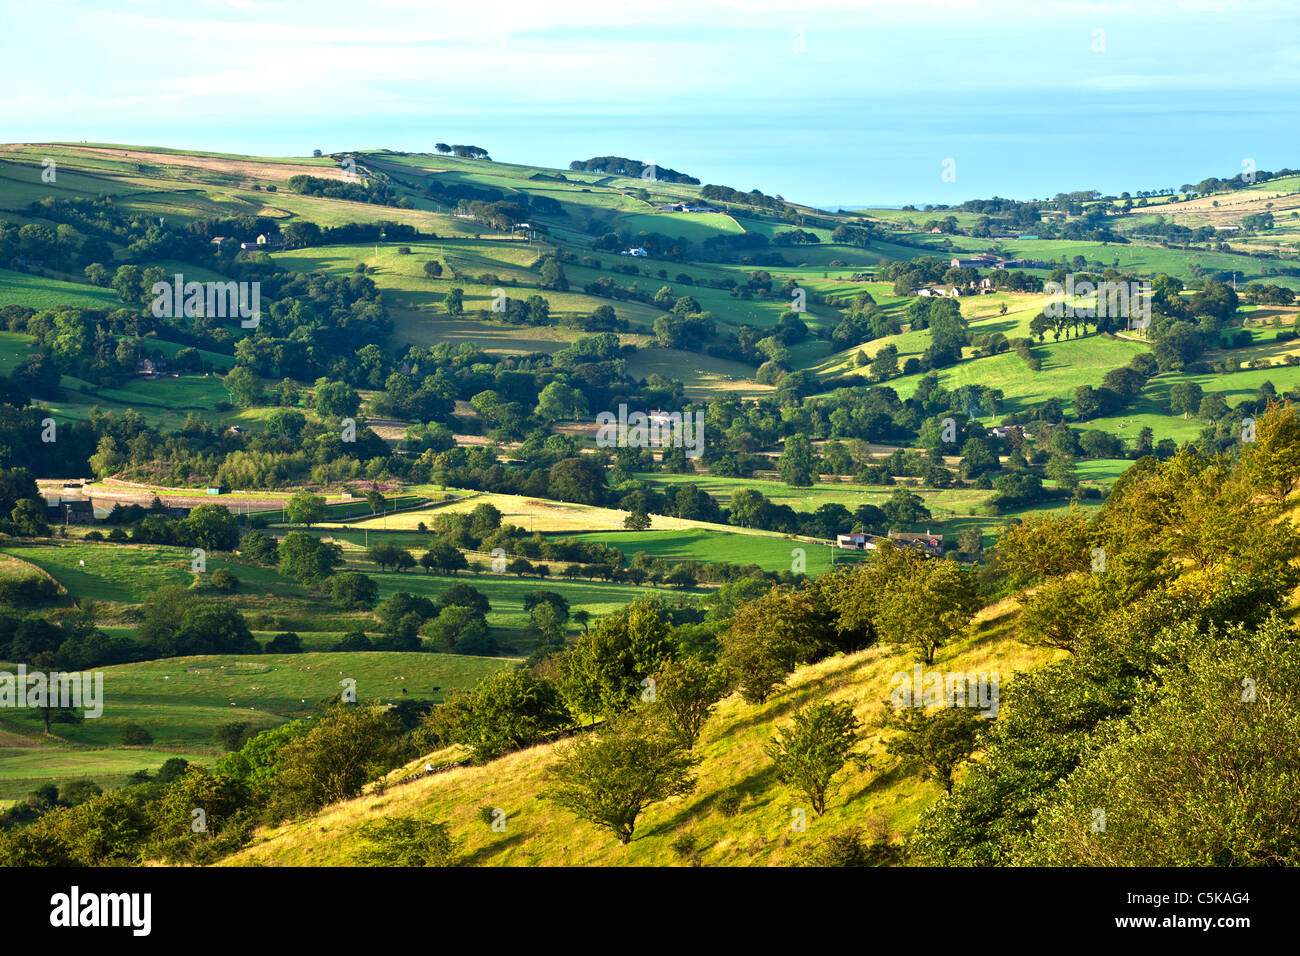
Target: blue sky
824,101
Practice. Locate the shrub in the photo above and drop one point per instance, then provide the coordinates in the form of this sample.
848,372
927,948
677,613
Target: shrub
133,735
285,643
684,846
406,841
223,580
729,801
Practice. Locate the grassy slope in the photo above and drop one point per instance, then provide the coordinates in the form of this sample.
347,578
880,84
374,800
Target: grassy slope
732,755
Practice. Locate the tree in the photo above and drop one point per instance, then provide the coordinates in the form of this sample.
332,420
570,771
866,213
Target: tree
551,275
211,527
128,283
443,558
508,709
308,559
940,741
1061,609
603,673
432,269
260,547
610,778
460,629
353,591
454,302
928,606
814,748
797,464
305,507
685,693
375,500
550,620
345,748
335,399
559,400
209,628
233,734
1185,398
769,636
244,388
29,518
286,642
637,521
463,595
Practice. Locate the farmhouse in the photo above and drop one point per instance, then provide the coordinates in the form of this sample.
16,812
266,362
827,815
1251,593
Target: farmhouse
931,544
684,207
1005,431
857,541
638,251
69,510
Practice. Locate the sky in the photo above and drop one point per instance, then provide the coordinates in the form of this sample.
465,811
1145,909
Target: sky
829,102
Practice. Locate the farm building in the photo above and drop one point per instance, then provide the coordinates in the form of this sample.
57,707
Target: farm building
974,262
684,207
931,544
69,510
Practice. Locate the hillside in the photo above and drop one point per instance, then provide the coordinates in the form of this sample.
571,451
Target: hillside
881,793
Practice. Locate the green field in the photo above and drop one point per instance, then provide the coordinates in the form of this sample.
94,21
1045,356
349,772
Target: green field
180,701
38,292
698,544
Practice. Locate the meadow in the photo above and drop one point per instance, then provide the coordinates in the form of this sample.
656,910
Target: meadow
182,700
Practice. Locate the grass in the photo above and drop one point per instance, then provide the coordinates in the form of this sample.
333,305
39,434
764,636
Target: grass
700,544
39,292
181,701
128,573
1066,365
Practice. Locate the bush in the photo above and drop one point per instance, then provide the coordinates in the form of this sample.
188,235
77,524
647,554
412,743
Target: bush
729,801
223,580
285,643
133,735
27,591
684,846
406,841
354,641
847,847
233,735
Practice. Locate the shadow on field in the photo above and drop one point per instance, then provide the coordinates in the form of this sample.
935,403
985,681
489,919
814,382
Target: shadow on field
483,854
